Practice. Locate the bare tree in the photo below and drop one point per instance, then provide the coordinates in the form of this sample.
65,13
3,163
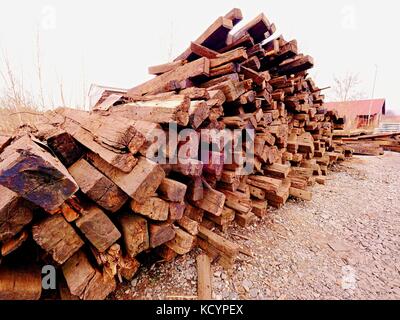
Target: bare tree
347,88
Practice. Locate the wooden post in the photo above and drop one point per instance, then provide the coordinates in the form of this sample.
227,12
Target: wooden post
204,286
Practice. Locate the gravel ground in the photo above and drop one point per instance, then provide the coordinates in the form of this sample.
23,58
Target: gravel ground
344,244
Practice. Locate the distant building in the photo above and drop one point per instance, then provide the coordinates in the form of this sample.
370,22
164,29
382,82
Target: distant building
357,113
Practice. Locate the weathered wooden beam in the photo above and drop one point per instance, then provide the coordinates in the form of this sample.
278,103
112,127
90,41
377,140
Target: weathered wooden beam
98,228
182,243
229,248
109,130
35,174
135,233
204,280
189,225
199,111
65,147
182,73
20,283
202,51
153,208
259,29
213,201
236,55
78,272
97,186
172,190
214,37
57,237
235,15
14,214
123,161
169,109
160,233
140,184
166,67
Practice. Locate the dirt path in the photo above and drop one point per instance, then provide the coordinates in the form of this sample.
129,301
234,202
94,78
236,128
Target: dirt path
344,244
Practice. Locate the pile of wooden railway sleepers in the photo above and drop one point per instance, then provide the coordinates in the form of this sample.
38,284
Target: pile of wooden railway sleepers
82,191
372,144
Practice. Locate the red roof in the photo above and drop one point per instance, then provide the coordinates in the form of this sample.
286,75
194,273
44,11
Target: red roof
353,109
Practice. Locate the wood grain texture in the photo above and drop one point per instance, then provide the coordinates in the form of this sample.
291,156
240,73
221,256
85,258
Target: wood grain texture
35,175
57,237
97,186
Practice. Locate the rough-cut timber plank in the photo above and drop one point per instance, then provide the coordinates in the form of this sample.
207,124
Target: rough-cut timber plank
301,194
57,237
176,210
35,175
135,234
153,208
214,37
78,272
183,242
140,184
265,183
235,15
237,201
123,161
199,111
20,283
163,68
165,110
296,65
98,228
189,225
111,131
222,244
246,41
194,213
63,291
202,51
14,214
172,190
204,287
99,287
196,93
182,73
65,147
213,201
97,186
256,28
236,55
160,233
85,281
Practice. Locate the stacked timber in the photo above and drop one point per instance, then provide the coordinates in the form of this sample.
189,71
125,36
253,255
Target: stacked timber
372,145
87,193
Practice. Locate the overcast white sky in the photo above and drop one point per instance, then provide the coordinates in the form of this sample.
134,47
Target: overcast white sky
113,42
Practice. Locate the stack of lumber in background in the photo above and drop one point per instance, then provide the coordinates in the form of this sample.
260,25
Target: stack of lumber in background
80,192
372,145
